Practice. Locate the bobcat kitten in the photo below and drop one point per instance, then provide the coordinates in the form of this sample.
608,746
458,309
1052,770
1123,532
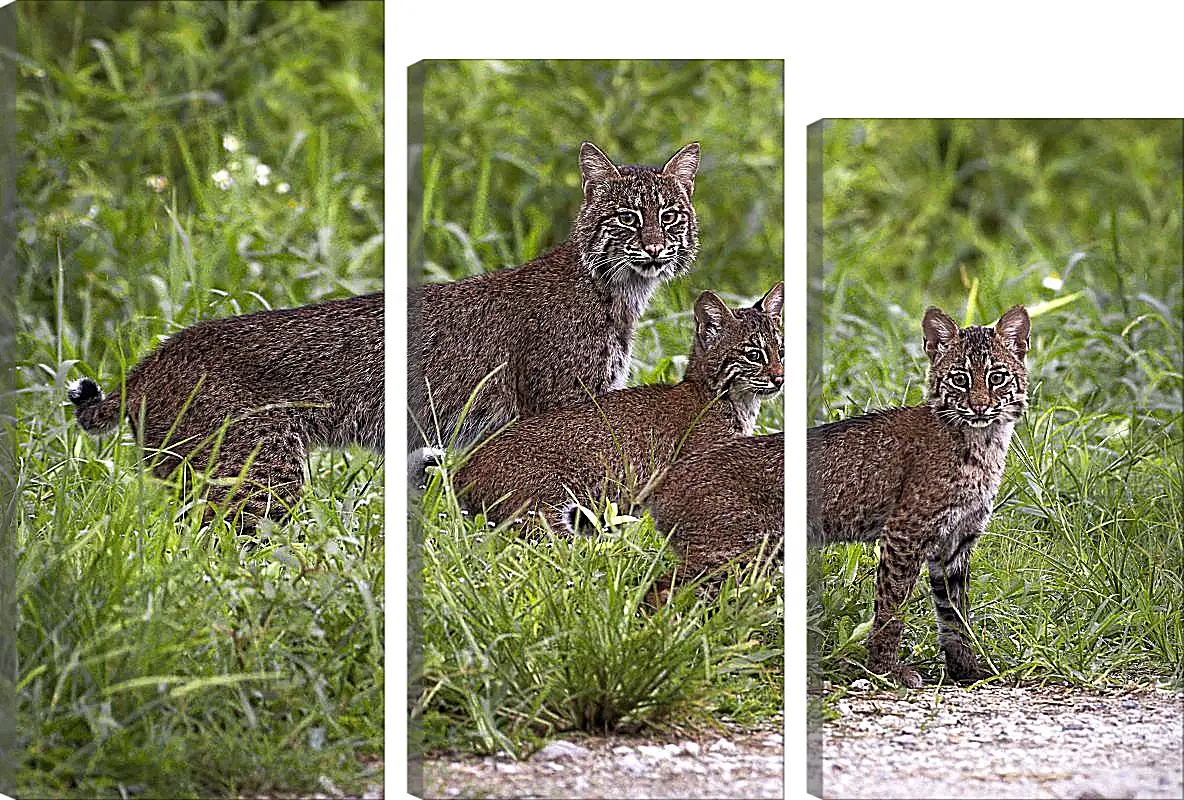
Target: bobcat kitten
610,446
253,393
922,480
723,504
562,325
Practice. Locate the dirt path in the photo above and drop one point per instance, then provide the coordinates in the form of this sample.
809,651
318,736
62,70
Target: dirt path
1050,742
740,764
989,742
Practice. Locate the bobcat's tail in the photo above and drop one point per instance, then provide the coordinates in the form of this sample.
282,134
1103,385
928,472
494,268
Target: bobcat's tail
418,463
570,518
95,411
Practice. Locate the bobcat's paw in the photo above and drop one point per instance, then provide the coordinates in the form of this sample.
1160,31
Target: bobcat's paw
907,677
967,673
899,673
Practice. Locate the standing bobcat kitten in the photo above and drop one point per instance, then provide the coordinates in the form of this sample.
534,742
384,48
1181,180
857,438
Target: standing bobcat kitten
560,326
610,446
922,480
723,504
249,395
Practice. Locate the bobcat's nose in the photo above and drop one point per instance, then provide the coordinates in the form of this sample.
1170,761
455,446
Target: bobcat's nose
654,249
777,378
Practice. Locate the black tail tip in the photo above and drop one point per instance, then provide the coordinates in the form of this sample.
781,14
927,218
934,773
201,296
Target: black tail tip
84,391
418,463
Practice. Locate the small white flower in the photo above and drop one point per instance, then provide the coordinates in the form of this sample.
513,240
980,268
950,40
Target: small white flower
1052,281
92,212
222,179
262,174
157,183
230,143
282,187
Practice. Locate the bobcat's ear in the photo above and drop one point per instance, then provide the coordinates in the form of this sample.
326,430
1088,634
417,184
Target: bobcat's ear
773,301
595,166
1013,328
711,314
683,165
940,332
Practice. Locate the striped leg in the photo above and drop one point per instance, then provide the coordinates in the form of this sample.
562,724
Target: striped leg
950,580
900,560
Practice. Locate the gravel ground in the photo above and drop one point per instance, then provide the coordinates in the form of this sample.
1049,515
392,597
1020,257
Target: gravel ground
1050,742
740,764
988,742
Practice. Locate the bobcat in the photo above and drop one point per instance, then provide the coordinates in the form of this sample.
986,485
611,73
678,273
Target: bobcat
611,446
560,327
922,480
247,396
723,504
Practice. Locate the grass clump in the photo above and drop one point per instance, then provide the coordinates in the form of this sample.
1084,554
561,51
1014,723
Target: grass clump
181,162
527,638
1078,577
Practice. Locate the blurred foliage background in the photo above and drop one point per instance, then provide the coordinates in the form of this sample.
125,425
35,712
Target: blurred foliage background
978,215
124,108
501,178
1078,577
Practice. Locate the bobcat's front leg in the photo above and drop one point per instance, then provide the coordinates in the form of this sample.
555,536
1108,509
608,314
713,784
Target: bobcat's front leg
949,578
901,547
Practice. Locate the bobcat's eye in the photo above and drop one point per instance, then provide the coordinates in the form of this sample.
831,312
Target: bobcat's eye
997,379
669,216
755,355
960,380
627,218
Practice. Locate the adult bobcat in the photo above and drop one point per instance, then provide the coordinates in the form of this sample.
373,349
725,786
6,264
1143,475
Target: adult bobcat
243,398
611,446
560,327
922,480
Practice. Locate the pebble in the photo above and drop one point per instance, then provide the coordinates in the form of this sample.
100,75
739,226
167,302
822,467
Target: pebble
631,763
561,748
722,746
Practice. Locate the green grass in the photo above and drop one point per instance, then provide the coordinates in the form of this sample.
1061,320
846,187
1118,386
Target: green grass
1078,578
157,656
524,639
528,637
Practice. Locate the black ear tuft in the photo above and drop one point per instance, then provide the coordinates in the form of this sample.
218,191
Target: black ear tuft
773,301
595,166
711,314
940,332
1013,328
683,166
